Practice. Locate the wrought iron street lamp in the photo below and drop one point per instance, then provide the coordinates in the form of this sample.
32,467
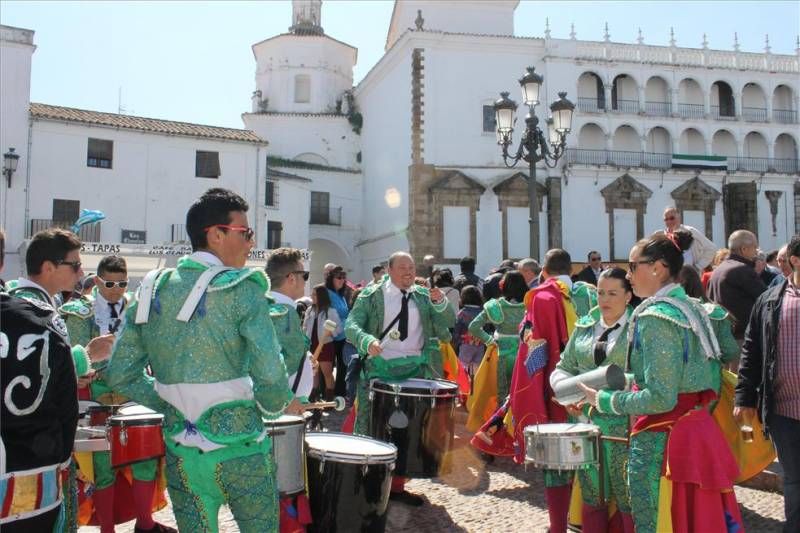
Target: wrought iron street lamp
10,160
533,147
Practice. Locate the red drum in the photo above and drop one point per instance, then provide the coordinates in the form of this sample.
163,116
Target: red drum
98,414
135,438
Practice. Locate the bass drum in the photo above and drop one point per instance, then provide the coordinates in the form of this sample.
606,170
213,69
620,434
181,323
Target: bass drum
417,416
349,479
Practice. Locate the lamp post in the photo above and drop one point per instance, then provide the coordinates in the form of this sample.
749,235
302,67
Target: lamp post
10,160
533,147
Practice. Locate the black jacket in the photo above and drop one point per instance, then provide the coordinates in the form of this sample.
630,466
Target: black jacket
757,364
735,286
38,420
467,278
586,275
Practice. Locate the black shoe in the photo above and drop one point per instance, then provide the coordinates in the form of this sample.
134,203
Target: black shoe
158,528
407,498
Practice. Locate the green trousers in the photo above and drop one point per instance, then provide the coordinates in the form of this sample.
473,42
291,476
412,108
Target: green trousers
105,476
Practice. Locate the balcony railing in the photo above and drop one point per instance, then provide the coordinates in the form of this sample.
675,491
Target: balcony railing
691,110
178,233
329,217
754,114
658,109
624,158
89,233
590,105
625,106
785,116
722,112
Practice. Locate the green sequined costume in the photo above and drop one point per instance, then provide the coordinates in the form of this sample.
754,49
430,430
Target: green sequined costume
669,356
722,324
294,343
214,378
584,297
578,358
364,325
505,316
80,319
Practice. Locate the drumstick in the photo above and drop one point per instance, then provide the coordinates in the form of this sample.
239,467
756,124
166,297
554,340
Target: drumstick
337,404
327,330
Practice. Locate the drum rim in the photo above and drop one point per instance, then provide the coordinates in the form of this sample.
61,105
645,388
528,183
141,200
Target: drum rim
350,458
449,392
156,419
101,407
293,421
592,431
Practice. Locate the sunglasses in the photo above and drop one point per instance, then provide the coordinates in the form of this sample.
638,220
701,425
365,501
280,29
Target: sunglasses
305,273
248,233
667,219
633,264
595,259
341,276
111,284
76,265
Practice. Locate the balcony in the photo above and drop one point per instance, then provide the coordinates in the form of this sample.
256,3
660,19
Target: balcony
664,161
89,233
326,217
785,116
754,114
658,109
691,110
625,106
724,112
590,105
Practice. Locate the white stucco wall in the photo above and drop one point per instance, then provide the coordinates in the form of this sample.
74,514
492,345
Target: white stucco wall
16,51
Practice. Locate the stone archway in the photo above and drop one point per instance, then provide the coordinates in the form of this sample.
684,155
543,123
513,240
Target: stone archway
625,193
697,195
513,192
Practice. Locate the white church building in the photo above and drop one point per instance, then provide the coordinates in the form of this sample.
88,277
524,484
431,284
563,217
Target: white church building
407,159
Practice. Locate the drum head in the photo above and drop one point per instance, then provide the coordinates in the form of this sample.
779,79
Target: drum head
419,386
285,420
576,429
134,409
136,420
349,448
84,405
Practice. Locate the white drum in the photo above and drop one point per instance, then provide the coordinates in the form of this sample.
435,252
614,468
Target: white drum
562,446
132,408
288,433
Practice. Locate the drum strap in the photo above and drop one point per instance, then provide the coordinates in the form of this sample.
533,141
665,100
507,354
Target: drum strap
198,291
145,298
299,373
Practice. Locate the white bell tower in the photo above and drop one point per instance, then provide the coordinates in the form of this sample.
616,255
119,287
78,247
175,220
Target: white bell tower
307,17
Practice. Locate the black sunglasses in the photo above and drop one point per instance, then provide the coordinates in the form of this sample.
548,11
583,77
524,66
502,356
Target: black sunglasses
633,264
305,273
76,265
111,284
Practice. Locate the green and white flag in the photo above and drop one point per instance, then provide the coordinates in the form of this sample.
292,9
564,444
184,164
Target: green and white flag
699,161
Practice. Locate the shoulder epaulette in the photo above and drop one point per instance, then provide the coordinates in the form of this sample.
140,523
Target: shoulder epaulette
231,278
81,308
369,290
667,311
494,310
715,311
278,310
589,319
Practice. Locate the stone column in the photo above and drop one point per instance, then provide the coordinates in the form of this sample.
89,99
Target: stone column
674,93
737,102
607,89
642,108
769,105
554,215
707,102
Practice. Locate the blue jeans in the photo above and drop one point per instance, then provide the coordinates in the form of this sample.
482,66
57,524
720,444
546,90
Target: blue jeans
353,371
785,434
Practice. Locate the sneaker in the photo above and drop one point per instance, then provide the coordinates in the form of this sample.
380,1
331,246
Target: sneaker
407,498
158,528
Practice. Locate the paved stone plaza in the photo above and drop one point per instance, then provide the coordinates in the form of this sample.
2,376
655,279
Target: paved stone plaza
499,497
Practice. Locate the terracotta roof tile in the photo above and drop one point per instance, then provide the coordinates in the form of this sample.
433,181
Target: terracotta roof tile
168,127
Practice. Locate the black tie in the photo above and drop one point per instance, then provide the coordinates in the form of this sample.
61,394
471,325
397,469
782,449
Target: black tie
403,328
115,321
600,345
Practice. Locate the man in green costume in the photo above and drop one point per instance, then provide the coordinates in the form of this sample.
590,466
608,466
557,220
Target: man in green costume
421,318
205,330
288,278
53,265
103,312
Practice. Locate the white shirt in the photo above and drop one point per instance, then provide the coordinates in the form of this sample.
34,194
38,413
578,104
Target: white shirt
207,258
601,326
306,383
102,314
281,298
392,302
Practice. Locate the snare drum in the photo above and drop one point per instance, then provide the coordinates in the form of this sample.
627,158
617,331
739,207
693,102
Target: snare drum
287,434
562,446
349,479
417,416
135,438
